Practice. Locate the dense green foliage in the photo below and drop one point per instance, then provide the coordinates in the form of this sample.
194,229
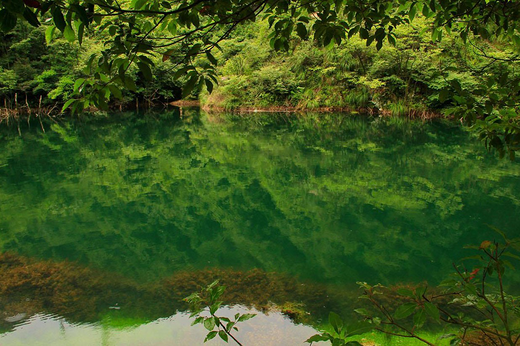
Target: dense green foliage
181,31
34,72
401,79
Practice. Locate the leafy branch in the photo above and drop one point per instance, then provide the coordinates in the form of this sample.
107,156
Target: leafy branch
473,299
208,300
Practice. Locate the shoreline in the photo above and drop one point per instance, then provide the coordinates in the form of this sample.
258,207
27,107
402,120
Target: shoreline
25,113
414,114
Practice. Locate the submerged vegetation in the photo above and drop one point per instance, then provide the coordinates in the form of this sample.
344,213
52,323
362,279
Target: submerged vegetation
85,295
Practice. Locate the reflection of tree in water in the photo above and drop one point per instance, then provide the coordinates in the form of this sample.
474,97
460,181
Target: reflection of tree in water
330,198
81,295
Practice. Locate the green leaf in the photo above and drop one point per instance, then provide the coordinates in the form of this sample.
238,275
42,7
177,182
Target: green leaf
142,58
81,13
138,4
145,70
432,311
420,291
456,85
104,78
209,85
129,83
69,34
301,30
419,318
210,336
426,11
496,229
188,87
81,31
31,18
16,7
509,254
335,321
404,311
115,91
194,50
245,317
278,44
391,40
230,325
172,27
78,83
213,308
223,335
49,34
59,21
180,73
209,323
455,342
380,34
443,95
7,21
112,30
78,106
363,33
489,106
362,312
67,104
358,328
197,320
353,31
446,336
101,102
211,58
317,338
412,12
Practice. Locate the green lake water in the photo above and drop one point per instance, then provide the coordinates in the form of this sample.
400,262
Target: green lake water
107,223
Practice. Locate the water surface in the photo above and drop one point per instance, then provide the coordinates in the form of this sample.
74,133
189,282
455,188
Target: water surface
141,205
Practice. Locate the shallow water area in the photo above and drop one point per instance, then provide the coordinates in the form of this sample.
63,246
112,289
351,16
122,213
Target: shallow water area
265,329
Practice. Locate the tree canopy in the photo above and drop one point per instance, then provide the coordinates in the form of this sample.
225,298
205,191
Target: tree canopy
184,31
